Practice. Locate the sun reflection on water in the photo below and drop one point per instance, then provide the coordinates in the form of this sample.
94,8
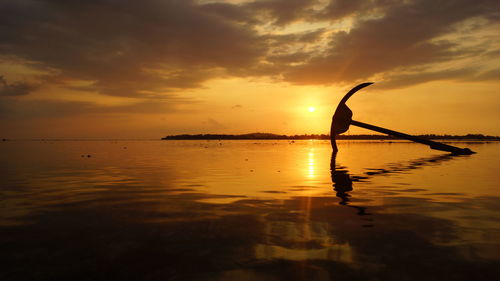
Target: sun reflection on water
311,164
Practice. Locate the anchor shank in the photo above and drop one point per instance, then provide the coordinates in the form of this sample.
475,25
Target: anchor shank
432,144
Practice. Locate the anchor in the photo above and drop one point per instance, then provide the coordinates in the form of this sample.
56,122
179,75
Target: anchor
342,119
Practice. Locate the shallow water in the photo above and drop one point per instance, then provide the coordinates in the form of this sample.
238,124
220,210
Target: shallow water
248,210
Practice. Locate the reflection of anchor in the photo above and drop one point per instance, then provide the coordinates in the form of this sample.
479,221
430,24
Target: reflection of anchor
342,119
342,184
342,180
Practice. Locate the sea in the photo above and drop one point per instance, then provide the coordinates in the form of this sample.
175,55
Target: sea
248,210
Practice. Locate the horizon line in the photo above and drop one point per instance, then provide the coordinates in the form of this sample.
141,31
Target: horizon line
235,135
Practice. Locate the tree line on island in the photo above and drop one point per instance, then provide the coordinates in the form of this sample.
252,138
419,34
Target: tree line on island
269,136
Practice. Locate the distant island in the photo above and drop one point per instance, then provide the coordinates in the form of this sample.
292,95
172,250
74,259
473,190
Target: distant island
269,136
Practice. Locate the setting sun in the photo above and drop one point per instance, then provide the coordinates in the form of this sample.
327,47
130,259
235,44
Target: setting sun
311,109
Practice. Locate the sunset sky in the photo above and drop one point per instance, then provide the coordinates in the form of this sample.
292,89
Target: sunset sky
149,68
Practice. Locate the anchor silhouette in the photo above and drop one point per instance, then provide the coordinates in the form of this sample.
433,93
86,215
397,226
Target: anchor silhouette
342,119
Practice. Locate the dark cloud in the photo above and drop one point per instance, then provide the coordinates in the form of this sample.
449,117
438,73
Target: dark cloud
490,75
237,13
470,74
291,48
401,36
152,47
16,88
338,9
289,58
408,79
493,53
126,47
282,12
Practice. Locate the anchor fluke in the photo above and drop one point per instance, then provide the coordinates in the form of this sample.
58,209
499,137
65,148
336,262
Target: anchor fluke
341,120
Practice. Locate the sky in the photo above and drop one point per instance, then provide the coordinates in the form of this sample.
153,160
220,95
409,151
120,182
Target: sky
151,68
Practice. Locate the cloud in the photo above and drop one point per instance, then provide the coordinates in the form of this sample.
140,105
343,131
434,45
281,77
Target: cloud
236,13
402,34
16,88
126,47
407,79
490,75
338,9
470,74
154,47
14,109
282,12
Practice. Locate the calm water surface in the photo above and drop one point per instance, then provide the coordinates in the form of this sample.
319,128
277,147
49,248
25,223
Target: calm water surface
247,210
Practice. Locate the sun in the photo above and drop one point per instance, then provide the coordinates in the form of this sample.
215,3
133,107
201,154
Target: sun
311,109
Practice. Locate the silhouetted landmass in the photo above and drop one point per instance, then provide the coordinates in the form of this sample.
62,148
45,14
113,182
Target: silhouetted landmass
268,136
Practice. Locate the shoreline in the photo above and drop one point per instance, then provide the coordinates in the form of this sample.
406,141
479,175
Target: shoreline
266,136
